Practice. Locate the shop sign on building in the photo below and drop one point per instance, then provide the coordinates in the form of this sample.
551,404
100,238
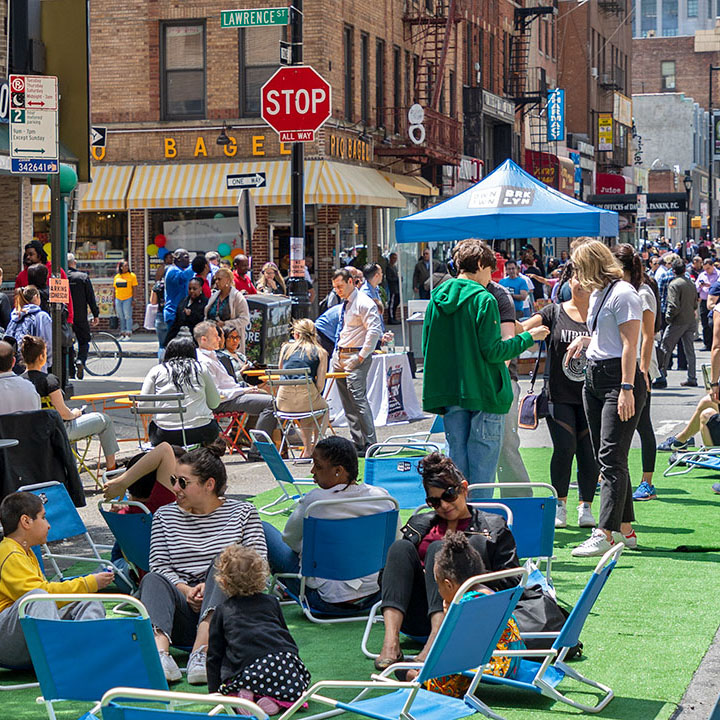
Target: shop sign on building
498,106
716,135
34,147
642,208
261,17
605,132
4,101
622,109
556,115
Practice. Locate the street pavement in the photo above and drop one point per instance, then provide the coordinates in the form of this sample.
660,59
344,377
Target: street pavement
671,408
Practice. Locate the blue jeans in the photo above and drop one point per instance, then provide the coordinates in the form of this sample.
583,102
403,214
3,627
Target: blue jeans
475,439
283,559
123,308
161,330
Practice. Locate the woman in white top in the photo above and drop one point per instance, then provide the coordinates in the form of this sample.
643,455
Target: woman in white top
615,390
634,273
335,470
180,372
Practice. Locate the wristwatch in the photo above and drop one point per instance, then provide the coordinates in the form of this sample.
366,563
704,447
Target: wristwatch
714,384
627,386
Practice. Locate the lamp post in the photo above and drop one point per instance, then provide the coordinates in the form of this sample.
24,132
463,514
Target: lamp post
711,150
687,182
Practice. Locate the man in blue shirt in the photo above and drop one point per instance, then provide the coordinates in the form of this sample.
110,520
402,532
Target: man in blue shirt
373,277
516,285
177,279
327,326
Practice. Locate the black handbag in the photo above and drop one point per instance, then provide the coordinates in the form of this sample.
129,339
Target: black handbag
67,336
534,407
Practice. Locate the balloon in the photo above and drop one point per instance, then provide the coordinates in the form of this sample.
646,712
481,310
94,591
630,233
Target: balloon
235,251
227,257
160,240
162,252
152,250
47,247
218,216
224,249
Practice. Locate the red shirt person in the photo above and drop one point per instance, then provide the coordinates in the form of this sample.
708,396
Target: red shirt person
243,281
34,253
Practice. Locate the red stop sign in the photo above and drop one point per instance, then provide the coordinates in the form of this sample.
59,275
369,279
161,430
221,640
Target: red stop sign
295,102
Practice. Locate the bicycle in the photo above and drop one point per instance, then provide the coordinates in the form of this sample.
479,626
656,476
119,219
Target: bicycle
104,356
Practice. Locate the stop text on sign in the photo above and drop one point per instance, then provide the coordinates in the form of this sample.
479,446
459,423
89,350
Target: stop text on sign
299,101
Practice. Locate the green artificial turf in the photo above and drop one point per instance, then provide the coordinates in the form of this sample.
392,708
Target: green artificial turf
649,630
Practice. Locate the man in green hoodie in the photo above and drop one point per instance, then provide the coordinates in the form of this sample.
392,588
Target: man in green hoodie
465,376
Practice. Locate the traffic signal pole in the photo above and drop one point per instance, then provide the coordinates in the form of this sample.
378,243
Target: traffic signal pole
297,285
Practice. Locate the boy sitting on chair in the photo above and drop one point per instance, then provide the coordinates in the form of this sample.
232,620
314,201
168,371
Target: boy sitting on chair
22,516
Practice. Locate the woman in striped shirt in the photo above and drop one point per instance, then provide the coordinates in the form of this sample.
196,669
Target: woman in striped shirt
180,591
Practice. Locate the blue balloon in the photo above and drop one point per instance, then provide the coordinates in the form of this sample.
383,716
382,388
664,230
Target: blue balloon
162,252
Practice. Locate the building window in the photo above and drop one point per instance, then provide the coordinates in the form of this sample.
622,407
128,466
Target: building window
397,88
669,18
257,62
491,64
380,83
364,78
469,64
648,17
552,38
453,94
667,70
348,58
692,8
183,70
408,79
541,37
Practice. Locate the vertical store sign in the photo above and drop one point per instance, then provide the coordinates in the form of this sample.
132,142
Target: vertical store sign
605,132
556,115
716,135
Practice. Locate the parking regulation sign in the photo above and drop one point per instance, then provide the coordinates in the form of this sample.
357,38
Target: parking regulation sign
34,146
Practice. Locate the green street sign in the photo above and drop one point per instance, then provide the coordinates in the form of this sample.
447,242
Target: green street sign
254,18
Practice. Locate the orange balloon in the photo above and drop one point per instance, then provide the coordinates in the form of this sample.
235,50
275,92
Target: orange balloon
235,251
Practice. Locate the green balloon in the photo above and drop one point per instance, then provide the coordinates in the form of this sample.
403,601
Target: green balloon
224,249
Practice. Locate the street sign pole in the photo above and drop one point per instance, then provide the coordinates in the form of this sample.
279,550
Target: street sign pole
56,233
297,285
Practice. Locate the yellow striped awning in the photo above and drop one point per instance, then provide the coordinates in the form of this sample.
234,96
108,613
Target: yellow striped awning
108,189
40,198
205,185
411,184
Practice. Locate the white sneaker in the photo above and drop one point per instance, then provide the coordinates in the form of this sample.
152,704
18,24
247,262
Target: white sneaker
196,667
561,514
169,666
585,516
596,545
631,541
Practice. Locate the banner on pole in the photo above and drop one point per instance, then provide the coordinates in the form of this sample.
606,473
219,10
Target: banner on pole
556,115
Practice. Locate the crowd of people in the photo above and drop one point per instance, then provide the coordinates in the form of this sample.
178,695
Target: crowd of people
610,320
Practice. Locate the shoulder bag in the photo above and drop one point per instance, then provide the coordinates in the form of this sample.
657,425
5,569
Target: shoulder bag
533,407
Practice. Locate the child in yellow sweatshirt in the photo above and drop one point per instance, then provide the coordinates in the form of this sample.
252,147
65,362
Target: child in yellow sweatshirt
22,517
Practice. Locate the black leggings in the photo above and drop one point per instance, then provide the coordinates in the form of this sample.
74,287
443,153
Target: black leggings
648,443
571,438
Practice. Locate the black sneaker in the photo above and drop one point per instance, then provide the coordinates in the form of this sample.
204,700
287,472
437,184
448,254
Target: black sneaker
689,383
79,370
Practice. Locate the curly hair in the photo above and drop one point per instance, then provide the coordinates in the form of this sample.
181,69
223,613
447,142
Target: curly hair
457,560
472,254
241,571
439,471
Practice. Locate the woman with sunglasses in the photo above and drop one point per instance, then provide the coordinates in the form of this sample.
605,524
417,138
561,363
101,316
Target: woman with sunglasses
411,602
335,471
180,592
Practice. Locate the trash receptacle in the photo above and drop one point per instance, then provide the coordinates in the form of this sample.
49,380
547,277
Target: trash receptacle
415,332
269,327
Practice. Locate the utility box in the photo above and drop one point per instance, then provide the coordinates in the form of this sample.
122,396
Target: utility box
269,327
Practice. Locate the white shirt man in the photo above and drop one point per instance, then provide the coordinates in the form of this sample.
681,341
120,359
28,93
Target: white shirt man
236,397
16,393
360,331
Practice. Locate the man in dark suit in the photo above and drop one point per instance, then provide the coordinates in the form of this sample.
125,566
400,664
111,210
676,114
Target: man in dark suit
393,282
83,296
422,273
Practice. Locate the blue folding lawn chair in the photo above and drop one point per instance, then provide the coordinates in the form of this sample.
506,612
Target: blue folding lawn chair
82,659
465,642
544,678
534,522
65,522
131,530
399,475
437,427
281,473
330,551
681,463
114,706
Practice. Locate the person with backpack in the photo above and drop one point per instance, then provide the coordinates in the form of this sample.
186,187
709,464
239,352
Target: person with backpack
28,319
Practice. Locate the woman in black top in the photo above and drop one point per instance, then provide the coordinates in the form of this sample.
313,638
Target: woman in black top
251,653
567,421
191,310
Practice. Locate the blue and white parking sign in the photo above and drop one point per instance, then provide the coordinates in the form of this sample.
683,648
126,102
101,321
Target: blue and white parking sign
556,115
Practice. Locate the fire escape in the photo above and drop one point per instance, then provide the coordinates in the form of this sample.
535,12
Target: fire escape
431,28
527,87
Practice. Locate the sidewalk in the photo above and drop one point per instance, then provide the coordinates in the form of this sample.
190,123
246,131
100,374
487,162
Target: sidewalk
143,344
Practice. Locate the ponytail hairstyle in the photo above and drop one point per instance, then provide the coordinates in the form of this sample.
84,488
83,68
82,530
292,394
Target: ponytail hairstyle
32,349
206,462
26,296
457,560
439,471
630,263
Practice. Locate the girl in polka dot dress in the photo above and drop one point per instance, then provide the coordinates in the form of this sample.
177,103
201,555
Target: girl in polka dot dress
251,653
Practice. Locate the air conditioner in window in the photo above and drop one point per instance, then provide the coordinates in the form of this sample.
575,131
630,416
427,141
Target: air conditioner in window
651,33
593,72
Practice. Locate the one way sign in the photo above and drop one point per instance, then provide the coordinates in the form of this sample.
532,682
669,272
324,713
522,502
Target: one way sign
97,136
246,180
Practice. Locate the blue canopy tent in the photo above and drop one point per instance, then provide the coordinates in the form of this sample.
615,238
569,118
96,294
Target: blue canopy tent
508,203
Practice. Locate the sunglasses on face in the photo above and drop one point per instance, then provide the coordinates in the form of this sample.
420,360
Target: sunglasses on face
180,481
450,495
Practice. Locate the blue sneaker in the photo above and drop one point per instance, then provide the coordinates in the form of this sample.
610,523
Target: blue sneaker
645,491
673,444
716,488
